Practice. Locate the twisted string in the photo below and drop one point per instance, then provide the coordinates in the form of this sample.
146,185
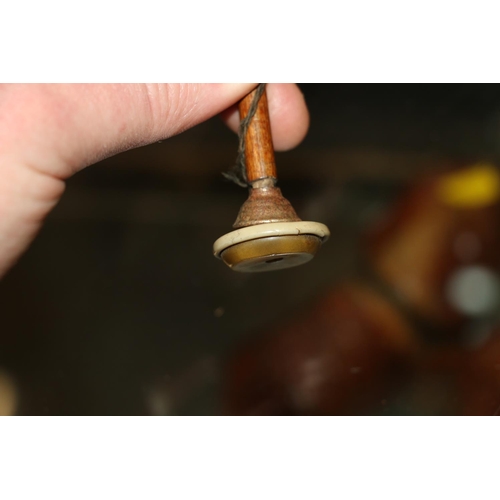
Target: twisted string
238,173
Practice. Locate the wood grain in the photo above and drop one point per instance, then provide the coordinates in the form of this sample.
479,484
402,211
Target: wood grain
259,151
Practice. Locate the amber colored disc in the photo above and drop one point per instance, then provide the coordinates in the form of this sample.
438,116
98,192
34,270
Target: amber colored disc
271,253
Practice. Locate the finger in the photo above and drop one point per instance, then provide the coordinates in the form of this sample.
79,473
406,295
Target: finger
288,114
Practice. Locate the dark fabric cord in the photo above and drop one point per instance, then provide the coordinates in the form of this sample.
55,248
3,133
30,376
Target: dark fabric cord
238,173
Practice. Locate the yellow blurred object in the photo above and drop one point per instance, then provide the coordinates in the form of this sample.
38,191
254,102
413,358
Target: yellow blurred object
474,187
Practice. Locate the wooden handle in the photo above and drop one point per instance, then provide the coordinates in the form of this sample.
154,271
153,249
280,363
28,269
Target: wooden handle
259,151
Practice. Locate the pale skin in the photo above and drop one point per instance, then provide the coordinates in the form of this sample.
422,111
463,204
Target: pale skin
49,132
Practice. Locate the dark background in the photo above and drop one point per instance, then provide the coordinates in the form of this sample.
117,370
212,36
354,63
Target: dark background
119,306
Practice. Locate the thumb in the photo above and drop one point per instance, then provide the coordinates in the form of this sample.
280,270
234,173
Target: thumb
59,129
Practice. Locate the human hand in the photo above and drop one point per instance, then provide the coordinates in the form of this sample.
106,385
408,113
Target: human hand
49,132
